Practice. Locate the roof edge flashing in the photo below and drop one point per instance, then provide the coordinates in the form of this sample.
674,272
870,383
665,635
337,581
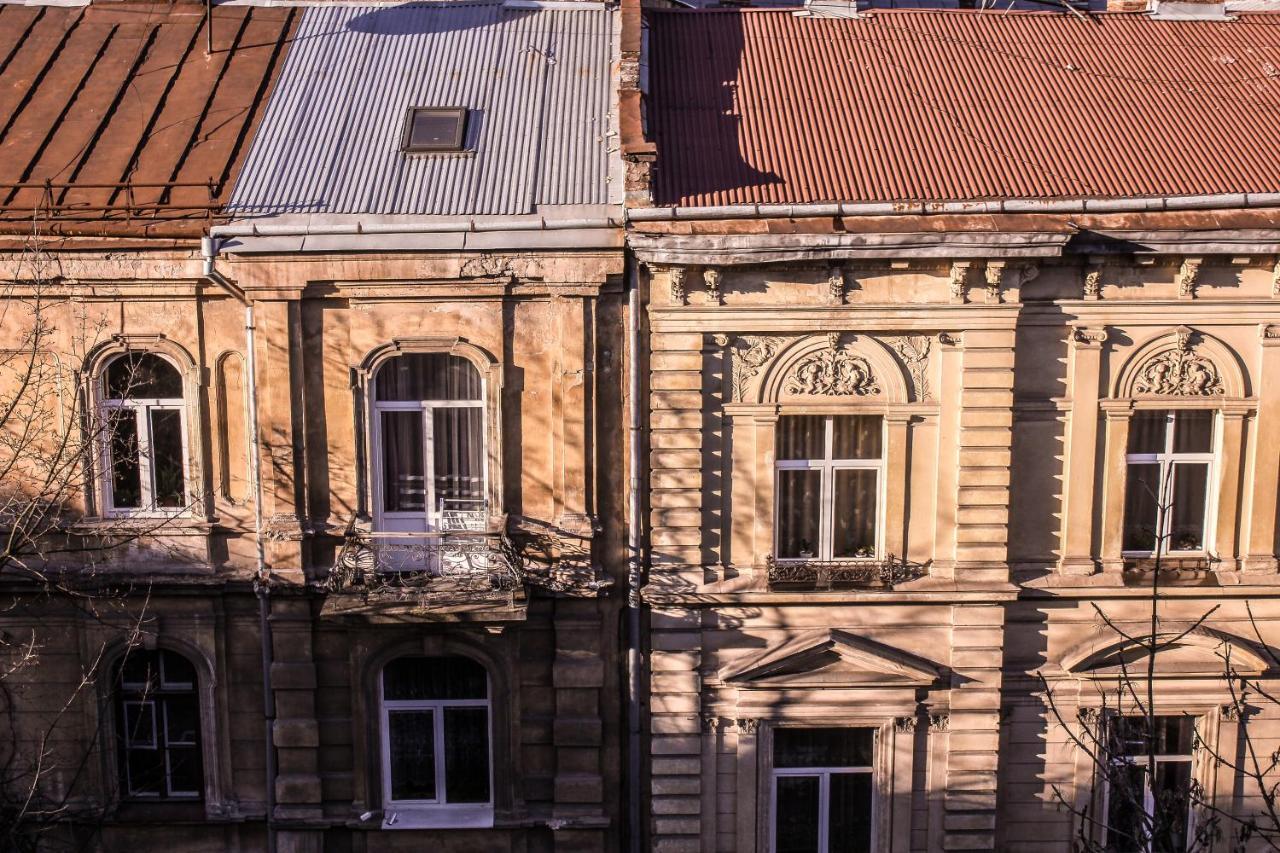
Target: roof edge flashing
1224,201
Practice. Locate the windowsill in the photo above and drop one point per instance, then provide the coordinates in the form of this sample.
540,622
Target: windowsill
132,525
438,817
175,810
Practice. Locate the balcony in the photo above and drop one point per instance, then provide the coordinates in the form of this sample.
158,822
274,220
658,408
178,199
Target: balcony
823,575
452,575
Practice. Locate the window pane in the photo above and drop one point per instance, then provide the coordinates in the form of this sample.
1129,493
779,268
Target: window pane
854,523
1193,431
466,755
796,821
799,513
1126,798
182,720
1190,489
1146,431
140,668
411,739
855,437
184,770
434,678
140,724
1173,735
1172,802
403,478
1140,506
428,376
166,458
143,376
822,747
849,826
802,436
144,770
126,473
178,671
458,448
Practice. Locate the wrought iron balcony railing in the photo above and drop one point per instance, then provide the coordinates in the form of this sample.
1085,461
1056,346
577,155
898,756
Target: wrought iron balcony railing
436,569
813,574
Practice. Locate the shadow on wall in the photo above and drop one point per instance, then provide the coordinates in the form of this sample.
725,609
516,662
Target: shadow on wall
695,65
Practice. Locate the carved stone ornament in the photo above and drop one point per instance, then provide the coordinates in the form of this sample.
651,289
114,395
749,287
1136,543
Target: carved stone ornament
835,284
939,722
711,280
1089,716
750,353
748,725
1088,337
1275,279
1093,283
914,352
1179,372
994,275
959,280
679,296
1188,278
904,725
1231,712
832,372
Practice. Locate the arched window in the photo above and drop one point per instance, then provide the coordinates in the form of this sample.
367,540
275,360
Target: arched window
436,763
145,441
429,453
158,726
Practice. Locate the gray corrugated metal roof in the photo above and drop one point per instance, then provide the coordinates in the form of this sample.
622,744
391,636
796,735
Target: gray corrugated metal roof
536,80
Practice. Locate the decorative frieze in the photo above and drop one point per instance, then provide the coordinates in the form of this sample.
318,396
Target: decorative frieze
1179,372
914,352
832,372
750,353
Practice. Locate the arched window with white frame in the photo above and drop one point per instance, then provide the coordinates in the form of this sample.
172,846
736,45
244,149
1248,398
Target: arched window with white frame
436,727
429,451
144,447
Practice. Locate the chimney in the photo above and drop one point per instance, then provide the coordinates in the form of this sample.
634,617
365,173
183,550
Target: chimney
1190,10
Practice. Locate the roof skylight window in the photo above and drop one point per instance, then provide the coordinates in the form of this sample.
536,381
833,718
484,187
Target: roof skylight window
434,129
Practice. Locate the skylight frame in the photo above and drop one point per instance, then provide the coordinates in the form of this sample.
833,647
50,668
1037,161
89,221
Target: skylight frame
448,147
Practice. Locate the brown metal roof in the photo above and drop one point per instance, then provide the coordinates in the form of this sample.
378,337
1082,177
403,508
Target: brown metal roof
115,121
763,106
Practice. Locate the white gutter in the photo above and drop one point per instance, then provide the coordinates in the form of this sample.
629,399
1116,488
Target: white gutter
938,208
464,225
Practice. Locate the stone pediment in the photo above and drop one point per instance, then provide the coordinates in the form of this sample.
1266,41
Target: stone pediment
1198,651
830,657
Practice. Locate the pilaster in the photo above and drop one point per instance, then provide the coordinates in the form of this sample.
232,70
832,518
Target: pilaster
1084,368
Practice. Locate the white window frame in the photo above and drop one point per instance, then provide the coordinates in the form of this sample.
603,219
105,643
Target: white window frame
153,698
431,516
824,775
437,813
1167,460
142,407
828,466
1148,798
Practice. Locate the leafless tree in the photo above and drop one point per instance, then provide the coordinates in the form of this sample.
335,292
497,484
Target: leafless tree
1141,802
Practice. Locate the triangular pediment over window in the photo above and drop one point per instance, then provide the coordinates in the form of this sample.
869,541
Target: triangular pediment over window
830,657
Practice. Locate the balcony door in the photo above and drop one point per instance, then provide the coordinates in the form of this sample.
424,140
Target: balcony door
429,455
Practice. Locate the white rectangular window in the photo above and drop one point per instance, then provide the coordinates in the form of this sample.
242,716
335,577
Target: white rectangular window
145,440
1168,485
823,795
829,474
1137,793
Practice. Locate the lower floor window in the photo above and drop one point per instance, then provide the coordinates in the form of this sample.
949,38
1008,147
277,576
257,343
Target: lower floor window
435,742
1148,806
822,790
159,726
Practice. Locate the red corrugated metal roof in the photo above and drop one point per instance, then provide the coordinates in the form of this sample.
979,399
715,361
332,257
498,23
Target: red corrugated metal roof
114,120
763,106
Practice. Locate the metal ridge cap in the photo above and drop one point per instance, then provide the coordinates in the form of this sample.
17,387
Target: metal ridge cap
978,206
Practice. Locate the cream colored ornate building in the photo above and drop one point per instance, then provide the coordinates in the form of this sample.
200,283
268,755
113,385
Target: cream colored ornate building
915,465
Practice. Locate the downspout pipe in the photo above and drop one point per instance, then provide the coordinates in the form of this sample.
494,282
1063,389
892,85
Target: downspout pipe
635,569
262,576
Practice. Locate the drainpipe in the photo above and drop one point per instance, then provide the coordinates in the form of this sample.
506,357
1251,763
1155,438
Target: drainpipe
635,672
262,577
